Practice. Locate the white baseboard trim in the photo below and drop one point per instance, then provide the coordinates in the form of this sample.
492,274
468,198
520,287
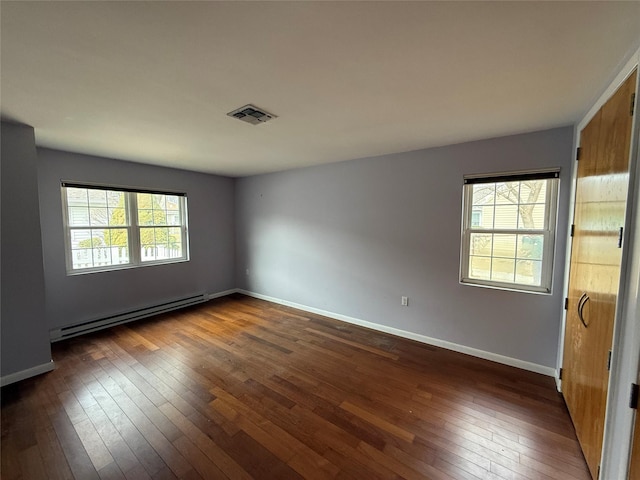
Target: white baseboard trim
494,357
222,294
558,381
27,373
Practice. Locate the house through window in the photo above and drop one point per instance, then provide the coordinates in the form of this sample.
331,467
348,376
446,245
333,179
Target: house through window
508,230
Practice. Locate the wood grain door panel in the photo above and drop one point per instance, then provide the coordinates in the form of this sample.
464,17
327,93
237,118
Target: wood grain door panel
601,194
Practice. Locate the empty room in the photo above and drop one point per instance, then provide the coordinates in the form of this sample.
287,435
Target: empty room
320,240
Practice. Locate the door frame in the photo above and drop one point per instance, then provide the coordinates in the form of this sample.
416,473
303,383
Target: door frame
625,361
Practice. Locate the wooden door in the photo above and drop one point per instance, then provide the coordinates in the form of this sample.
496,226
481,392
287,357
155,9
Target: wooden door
601,196
634,466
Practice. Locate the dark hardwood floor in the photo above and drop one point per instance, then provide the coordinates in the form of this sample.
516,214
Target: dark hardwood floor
240,388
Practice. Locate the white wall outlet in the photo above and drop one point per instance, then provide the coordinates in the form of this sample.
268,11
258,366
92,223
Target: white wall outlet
247,271
404,301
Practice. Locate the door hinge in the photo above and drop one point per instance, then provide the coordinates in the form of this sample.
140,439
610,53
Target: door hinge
578,153
609,362
598,474
633,397
633,104
573,230
620,237
566,303
560,374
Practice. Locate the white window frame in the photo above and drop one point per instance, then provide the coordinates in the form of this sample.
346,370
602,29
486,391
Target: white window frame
548,231
133,228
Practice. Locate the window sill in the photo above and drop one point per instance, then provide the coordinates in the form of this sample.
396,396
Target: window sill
115,268
508,287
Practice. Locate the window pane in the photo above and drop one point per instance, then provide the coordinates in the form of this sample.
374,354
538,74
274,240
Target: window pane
161,235
528,272
481,244
175,242
173,218
115,199
159,201
98,216
480,268
173,202
77,196
530,246
162,252
531,216
506,216
504,246
147,253
483,217
119,245
483,194
101,257
118,237
503,270
120,255
118,217
78,217
81,258
159,217
175,235
144,200
476,217
81,238
97,198
145,217
147,237
533,191
507,192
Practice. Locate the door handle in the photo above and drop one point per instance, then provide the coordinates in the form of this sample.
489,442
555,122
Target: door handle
581,303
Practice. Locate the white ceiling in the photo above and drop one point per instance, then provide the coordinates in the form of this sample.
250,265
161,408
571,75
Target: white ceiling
152,81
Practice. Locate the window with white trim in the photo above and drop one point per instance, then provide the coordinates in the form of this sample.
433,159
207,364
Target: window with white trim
108,228
508,230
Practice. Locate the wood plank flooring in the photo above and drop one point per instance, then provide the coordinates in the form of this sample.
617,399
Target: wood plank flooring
239,388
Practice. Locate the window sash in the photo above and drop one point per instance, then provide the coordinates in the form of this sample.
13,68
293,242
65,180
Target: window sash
548,232
132,227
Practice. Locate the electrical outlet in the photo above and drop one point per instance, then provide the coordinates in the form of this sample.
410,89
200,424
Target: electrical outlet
404,301
247,271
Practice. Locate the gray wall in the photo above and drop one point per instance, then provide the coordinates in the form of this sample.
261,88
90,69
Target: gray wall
25,338
75,298
352,237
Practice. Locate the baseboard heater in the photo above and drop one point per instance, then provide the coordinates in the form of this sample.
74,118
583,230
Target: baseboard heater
98,324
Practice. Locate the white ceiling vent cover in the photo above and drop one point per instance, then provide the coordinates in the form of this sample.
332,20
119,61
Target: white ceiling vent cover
252,114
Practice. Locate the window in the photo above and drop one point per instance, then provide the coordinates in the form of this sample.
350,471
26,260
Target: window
109,228
476,217
508,230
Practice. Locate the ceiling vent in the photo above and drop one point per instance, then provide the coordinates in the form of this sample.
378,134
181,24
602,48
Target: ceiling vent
251,114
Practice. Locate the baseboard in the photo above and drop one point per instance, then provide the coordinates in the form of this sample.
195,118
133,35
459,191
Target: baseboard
556,376
123,317
28,373
494,357
223,294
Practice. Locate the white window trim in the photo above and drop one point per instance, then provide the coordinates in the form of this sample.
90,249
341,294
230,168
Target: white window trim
133,229
549,233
